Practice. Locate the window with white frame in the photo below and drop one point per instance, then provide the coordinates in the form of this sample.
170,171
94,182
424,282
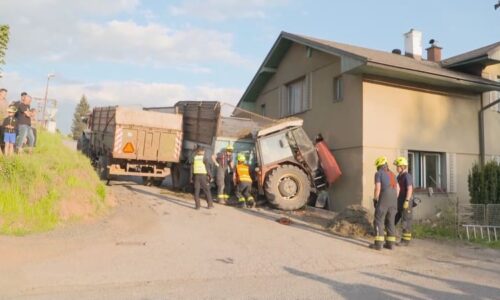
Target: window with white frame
296,96
338,89
428,170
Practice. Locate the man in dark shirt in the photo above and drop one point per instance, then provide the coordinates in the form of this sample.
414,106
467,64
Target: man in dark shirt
23,116
385,201
405,203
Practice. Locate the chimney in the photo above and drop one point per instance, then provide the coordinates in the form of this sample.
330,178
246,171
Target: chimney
434,51
413,44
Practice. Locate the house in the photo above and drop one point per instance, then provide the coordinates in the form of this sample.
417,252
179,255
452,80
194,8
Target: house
368,103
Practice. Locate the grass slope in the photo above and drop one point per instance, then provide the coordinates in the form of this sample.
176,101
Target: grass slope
52,186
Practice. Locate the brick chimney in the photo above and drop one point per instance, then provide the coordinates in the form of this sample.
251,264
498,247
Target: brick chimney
434,52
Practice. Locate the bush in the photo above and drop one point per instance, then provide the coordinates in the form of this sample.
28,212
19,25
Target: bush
484,183
53,185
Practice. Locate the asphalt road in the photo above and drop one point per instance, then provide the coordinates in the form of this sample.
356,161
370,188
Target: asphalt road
156,246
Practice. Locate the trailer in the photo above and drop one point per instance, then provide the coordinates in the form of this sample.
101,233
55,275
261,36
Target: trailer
134,142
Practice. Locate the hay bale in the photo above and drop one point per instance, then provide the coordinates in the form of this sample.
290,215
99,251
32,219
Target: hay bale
355,220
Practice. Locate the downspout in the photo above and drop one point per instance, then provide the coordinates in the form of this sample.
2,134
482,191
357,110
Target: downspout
482,153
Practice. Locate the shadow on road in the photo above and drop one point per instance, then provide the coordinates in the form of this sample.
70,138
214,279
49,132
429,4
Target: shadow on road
352,290
268,214
469,290
462,265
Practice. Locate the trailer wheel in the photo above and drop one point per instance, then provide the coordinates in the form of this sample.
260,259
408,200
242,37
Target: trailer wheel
157,181
147,181
287,187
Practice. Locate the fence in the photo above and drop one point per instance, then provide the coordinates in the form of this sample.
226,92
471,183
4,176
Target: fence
479,221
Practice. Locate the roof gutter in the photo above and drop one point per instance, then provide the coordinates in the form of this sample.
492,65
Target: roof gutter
492,87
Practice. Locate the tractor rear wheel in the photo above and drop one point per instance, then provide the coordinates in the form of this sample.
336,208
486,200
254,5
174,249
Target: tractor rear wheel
287,187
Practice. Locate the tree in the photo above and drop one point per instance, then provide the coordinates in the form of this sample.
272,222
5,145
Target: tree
4,40
81,111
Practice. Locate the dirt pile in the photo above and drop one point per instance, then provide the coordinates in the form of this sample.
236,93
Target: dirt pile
355,220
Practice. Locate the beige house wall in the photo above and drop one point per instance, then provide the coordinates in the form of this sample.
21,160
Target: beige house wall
325,116
492,116
397,119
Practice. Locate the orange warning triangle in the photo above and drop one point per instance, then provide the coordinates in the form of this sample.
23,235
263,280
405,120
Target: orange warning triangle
129,148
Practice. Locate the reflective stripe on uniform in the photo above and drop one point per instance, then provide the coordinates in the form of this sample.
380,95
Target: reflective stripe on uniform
198,165
391,239
406,236
379,238
243,172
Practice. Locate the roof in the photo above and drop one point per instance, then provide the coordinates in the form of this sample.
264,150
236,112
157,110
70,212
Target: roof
367,61
486,52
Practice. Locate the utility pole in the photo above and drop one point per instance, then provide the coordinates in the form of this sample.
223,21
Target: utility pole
45,99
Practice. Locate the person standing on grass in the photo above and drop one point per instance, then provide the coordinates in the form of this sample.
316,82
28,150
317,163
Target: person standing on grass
3,103
24,116
9,136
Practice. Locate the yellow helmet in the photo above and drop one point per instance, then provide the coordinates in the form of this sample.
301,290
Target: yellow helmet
382,160
241,157
229,147
401,161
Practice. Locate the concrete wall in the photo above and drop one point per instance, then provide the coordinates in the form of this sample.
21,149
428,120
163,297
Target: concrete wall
339,122
398,119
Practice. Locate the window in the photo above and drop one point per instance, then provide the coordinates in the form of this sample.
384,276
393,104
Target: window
428,170
296,96
338,89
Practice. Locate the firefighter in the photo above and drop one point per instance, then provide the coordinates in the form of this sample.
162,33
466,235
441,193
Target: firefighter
243,182
224,163
200,177
405,203
385,202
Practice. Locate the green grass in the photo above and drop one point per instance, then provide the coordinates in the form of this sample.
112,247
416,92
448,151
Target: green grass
448,232
32,187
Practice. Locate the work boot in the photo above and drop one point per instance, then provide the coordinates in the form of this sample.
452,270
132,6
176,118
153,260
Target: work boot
389,245
403,243
376,245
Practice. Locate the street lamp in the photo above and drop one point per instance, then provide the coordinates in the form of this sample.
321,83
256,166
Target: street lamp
45,99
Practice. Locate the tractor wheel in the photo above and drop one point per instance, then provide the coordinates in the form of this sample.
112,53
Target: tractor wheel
287,187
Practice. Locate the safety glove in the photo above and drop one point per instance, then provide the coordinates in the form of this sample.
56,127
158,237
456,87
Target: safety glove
406,205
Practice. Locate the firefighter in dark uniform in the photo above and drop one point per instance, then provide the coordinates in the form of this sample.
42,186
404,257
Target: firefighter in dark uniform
405,203
224,176
199,175
243,182
385,202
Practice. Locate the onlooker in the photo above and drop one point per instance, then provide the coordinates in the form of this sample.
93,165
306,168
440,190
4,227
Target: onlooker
33,125
9,125
24,116
3,103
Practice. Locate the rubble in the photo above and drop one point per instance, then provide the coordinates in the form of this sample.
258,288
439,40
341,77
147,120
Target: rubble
355,220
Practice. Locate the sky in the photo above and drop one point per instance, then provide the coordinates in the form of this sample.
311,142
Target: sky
155,53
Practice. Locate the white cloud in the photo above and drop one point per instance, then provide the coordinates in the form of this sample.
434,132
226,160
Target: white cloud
67,31
154,44
220,10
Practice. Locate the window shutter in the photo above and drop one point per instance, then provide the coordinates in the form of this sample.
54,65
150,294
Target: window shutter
451,172
308,92
283,101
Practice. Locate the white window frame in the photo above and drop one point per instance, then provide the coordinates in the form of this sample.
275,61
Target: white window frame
288,104
418,168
